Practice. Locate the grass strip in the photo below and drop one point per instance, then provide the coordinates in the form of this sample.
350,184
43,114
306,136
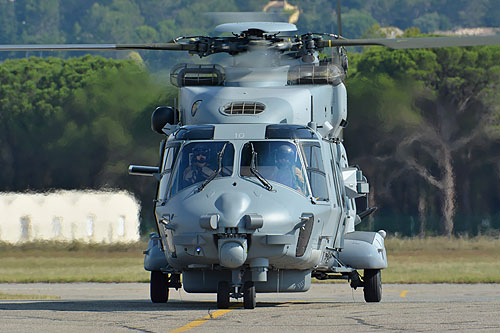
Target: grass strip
19,297
411,260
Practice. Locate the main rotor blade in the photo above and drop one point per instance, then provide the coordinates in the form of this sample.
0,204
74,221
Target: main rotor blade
99,47
415,43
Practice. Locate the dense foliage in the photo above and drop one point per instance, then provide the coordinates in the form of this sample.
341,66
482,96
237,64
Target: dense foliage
429,119
134,21
76,123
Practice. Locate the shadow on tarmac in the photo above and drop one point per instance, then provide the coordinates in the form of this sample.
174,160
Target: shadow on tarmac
131,305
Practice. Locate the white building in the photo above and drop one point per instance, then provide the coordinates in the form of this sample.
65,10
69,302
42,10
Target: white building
87,216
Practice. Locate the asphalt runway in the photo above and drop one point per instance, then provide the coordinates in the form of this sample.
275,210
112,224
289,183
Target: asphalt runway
88,307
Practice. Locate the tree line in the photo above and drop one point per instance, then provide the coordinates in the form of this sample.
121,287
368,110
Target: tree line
424,125
143,21
430,123
429,119
77,124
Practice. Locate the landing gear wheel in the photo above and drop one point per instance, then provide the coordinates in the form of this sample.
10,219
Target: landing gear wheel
249,294
223,291
158,287
373,285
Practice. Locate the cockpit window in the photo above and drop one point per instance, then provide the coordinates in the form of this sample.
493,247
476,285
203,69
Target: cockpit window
276,161
198,161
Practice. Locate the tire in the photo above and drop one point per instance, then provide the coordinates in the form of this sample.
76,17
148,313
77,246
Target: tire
158,287
372,285
223,291
249,295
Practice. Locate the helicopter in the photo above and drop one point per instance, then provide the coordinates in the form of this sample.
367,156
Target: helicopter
255,193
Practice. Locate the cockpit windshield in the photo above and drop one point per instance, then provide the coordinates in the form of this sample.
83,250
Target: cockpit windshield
276,161
199,161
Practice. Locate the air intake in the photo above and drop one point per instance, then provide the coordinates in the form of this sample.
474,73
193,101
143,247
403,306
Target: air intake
243,108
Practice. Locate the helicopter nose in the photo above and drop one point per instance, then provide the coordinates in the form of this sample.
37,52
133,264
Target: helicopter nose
231,207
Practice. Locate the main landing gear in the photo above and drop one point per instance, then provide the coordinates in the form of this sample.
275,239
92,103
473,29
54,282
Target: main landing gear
372,290
371,281
160,284
224,293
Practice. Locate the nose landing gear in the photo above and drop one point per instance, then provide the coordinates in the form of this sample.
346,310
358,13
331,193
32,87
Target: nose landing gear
249,295
224,293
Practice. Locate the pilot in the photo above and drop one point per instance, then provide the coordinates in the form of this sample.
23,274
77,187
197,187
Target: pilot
198,170
286,172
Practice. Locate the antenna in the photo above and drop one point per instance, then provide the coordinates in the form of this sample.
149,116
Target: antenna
339,19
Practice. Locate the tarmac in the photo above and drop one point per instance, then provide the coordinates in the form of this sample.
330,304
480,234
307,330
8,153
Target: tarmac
125,307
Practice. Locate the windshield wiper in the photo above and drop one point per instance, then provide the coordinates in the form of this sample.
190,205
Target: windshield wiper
216,172
253,170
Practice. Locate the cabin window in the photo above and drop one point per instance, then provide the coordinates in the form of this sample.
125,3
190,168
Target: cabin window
198,161
275,161
315,170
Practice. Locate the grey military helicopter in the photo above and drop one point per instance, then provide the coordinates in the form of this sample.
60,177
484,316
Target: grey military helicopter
255,192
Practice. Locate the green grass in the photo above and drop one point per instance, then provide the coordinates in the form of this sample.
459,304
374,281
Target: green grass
440,260
428,260
72,262
69,269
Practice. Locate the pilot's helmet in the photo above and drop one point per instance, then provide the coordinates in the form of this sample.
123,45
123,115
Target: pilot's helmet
285,155
200,155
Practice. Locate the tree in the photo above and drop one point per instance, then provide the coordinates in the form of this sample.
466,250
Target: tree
40,22
431,22
8,22
116,22
77,123
453,109
356,22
